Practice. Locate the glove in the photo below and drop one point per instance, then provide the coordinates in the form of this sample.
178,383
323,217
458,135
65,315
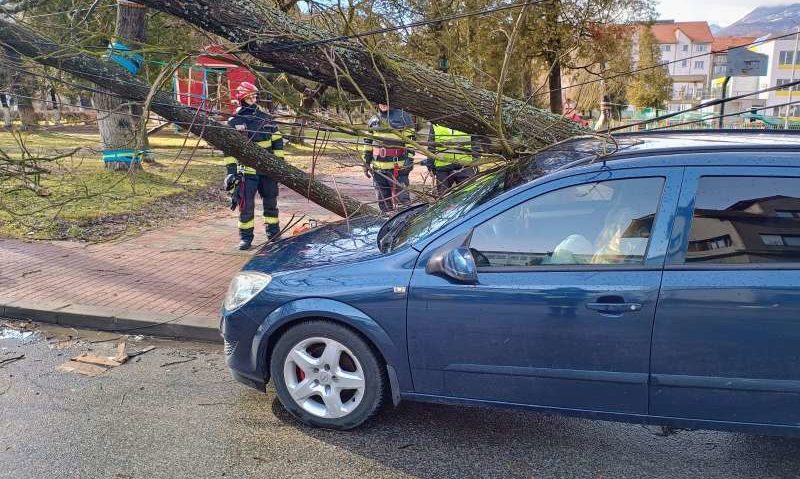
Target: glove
230,181
235,194
367,171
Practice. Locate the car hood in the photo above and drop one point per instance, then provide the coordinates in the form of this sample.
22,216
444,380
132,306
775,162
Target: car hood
341,242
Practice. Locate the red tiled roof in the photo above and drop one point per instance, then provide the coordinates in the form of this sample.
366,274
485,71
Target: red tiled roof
698,32
724,43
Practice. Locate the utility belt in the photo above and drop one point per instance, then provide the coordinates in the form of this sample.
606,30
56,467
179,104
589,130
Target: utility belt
388,152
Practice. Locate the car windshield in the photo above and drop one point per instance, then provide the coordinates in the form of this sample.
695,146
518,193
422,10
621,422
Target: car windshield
491,184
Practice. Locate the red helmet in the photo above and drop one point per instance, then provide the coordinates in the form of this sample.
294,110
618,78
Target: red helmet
244,90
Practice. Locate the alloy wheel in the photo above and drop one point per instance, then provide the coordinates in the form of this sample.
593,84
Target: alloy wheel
324,377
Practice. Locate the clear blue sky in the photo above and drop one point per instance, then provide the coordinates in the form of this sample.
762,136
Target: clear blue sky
721,12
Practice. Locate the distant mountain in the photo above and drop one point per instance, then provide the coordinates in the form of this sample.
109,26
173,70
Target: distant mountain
763,20
715,28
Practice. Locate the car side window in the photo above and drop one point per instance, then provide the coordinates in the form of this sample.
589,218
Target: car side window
744,220
600,223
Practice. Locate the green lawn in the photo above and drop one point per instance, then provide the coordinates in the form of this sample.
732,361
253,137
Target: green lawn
88,202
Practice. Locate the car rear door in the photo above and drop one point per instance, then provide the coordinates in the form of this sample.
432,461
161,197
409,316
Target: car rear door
562,314
726,342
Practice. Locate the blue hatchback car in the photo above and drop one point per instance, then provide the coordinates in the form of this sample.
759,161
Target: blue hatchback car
658,282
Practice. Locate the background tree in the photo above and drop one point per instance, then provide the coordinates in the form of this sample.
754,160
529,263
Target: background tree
118,119
652,86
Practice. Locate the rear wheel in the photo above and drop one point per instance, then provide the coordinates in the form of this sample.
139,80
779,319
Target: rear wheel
327,376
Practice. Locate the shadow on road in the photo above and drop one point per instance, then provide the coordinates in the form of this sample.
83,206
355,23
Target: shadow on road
435,441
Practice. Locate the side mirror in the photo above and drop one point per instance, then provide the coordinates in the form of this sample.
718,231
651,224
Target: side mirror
457,264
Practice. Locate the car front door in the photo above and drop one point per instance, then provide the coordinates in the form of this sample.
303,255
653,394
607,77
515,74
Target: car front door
726,341
561,313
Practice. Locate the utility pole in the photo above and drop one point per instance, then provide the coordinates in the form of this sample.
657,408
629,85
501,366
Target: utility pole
722,97
791,88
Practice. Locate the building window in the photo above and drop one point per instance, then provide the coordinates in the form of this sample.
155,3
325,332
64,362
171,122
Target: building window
783,81
780,240
720,69
712,243
685,63
788,214
785,57
665,48
699,65
700,48
685,48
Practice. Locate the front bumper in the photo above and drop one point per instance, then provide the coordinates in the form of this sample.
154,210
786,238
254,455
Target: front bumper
239,333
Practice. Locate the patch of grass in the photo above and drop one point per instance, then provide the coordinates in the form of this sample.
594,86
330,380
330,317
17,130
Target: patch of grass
89,202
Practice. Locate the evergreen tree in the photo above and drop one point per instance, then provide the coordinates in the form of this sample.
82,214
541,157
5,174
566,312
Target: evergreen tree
652,86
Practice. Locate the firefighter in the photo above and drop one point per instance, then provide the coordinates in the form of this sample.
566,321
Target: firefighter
389,158
258,126
456,153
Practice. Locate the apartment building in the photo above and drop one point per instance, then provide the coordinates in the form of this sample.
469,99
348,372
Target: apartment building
737,85
686,46
784,61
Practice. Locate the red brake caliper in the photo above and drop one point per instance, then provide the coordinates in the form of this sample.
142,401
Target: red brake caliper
300,374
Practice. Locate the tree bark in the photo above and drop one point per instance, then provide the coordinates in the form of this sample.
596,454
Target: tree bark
554,84
120,82
273,37
22,90
116,120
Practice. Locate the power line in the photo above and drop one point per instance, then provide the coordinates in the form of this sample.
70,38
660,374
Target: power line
717,117
706,105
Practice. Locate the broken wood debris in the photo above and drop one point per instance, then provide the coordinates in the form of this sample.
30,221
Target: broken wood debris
3,362
141,351
173,363
89,364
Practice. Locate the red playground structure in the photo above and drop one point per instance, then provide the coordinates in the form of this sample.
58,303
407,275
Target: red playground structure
208,82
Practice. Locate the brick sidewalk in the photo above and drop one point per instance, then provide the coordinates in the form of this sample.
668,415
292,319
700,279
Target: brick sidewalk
167,274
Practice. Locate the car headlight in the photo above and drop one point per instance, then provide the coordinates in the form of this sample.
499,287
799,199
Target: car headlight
244,287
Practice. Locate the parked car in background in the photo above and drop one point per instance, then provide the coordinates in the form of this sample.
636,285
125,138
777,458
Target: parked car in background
654,278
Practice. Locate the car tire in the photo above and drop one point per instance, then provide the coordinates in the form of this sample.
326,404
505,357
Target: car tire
304,373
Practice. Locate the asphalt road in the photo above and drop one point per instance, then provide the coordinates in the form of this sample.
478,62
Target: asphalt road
151,419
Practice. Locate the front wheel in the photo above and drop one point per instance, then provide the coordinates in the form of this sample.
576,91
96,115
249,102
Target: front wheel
327,376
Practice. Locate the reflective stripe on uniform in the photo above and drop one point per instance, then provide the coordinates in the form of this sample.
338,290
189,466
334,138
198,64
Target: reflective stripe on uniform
247,170
265,143
277,136
270,220
279,153
386,165
229,160
247,225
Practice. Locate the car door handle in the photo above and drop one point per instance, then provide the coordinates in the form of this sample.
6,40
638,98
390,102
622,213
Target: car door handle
614,308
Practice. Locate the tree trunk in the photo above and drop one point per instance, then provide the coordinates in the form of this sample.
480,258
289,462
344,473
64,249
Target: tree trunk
302,50
116,120
21,89
554,84
231,142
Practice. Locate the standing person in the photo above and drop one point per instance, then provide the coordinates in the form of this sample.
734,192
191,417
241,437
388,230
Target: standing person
388,157
571,113
258,126
5,103
456,153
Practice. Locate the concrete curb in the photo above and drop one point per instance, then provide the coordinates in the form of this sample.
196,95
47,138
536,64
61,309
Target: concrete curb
197,328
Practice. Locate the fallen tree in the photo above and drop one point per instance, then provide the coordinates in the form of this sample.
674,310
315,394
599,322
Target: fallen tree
118,81
299,49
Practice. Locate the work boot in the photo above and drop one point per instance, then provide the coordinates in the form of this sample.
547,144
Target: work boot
273,232
244,245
